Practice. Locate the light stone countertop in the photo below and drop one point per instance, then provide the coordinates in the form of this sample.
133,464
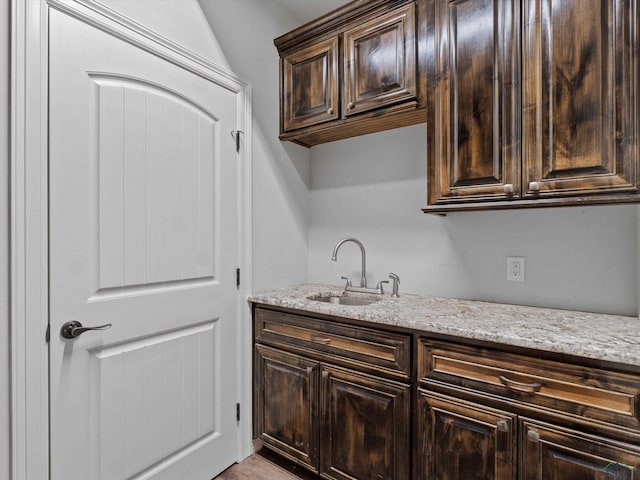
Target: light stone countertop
612,338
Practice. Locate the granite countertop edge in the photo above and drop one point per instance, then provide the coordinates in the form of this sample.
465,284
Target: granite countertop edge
612,338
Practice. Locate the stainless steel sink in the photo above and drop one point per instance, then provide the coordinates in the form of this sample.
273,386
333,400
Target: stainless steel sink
344,299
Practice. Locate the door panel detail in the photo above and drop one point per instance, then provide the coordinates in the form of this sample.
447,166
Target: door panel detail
152,146
153,400
143,235
578,126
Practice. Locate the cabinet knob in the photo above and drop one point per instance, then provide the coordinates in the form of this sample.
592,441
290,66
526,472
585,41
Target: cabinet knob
503,425
508,188
534,186
350,105
533,436
330,111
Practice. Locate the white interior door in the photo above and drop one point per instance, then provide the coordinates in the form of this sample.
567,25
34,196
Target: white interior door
143,236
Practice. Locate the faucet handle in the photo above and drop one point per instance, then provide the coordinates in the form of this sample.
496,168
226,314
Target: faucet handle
348,281
379,286
396,282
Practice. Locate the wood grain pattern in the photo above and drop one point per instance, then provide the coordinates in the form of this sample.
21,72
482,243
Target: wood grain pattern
454,417
366,349
459,440
287,396
380,79
580,96
571,389
560,454
310,85
266,465
380,62
362,428
568,135
365,432
473,114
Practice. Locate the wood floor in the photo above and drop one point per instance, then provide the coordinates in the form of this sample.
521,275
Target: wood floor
265,465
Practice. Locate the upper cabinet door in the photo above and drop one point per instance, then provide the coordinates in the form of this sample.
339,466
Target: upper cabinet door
473,120
310,85
579,99
380,61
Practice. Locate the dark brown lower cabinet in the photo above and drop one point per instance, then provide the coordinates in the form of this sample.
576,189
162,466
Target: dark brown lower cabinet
461,440
286,408
365,427
465,440
553,453
485,413
346,402
340,423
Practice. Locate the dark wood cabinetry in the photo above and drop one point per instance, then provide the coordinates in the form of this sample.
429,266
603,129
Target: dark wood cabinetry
356,70
310,85
473,148
352,401
365,426
380,62
479,406
561,454
537,107
287,413
580,99
333,397
462,440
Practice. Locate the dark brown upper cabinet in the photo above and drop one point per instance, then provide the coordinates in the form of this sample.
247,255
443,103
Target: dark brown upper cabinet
310,78
380,62
356,70
534,103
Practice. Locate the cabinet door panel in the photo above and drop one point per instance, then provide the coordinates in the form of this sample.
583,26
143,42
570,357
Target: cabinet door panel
286,404
579,102
365,428
461,440
380,62
310,85
552,453
473,124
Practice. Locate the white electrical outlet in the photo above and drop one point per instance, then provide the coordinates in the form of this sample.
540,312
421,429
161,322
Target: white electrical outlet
515,269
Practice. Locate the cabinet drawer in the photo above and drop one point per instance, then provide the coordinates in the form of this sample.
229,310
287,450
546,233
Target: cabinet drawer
364,348
599,394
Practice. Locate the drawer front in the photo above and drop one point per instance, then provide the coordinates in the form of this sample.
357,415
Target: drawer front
359,347
569,388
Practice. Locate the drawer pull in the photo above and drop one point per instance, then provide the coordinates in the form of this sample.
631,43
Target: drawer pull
322,340
519,386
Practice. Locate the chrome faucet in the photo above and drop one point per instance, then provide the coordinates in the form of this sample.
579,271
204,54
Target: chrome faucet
363,275
396,282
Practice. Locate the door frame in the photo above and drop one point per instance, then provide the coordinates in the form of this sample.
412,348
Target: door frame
29,316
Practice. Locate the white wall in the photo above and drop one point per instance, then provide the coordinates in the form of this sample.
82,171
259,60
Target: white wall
180,21
372,187
245,30
4,239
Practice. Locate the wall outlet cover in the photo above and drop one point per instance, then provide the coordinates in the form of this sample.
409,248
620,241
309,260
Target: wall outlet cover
515,269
